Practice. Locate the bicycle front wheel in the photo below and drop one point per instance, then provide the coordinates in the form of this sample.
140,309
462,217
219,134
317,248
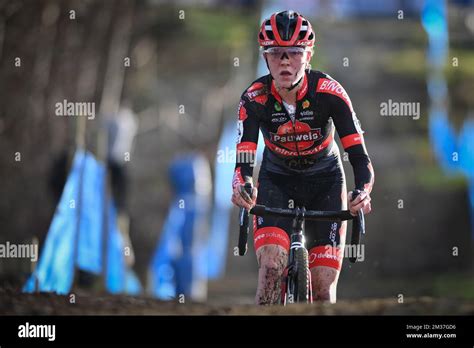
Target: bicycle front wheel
302,276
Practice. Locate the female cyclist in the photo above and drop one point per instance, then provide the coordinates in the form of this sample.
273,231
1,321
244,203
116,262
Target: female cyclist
298,110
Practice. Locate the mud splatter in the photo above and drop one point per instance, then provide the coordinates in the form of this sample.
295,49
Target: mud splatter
272,260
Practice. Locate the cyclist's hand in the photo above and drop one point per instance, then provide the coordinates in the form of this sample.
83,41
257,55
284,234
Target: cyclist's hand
362,201
242,199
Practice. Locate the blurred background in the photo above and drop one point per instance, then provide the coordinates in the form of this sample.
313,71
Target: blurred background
165,78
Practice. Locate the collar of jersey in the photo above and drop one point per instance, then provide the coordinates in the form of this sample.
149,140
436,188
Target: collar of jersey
299,95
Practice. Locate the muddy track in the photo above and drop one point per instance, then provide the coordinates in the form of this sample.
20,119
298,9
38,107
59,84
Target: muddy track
13,303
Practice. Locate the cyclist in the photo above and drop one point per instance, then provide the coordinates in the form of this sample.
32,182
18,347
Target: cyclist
297,110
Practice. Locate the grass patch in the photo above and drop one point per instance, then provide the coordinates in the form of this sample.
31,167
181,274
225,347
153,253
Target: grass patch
410,61
455,285
428,173
221,27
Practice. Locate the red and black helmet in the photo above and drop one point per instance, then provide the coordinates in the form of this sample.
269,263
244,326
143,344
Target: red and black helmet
286,28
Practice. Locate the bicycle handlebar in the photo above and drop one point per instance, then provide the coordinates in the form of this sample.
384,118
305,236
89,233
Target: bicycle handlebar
358,228
358,224
314,215
244,224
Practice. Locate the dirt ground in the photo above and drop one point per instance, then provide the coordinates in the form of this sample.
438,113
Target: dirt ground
14,303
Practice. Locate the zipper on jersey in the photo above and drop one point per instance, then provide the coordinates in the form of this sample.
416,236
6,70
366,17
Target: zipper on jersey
293,122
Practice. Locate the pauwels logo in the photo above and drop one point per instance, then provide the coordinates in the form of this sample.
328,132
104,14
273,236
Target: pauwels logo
257,92
299,138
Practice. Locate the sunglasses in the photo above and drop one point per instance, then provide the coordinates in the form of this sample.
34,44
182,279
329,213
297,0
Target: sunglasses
291,52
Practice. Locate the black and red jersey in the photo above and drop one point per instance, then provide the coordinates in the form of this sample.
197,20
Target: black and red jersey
303,144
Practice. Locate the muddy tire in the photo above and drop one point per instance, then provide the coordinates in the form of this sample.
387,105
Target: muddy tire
302,276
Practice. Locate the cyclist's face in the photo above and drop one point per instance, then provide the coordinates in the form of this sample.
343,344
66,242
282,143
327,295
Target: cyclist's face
287,64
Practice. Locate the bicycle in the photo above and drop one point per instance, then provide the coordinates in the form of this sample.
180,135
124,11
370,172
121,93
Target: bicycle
296,279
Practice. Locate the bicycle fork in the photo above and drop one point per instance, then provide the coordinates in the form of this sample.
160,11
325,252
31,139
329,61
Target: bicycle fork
289,282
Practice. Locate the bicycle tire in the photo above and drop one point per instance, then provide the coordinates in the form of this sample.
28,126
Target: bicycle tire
302,276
